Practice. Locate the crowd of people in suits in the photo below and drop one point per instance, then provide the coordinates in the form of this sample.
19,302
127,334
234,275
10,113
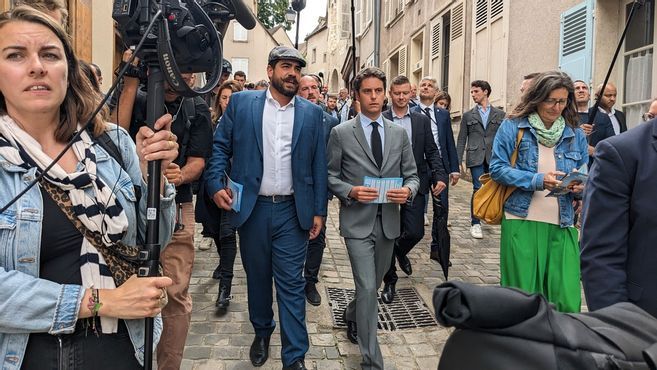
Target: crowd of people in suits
263,160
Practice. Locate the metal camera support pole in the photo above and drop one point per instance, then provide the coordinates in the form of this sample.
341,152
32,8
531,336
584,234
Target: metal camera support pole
150,252
635,6
353,39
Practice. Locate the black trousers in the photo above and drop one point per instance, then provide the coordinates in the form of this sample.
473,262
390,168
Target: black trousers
314,256
412,231
226,243
81,350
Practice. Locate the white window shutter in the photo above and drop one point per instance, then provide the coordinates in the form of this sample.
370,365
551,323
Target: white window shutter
435,40
436,50
496,8
403,61
457,58
481,13
386,69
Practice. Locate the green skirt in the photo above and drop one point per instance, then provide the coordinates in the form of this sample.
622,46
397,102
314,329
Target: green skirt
538,257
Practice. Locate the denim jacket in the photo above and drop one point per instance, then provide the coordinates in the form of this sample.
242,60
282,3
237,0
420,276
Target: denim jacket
570,153
29,304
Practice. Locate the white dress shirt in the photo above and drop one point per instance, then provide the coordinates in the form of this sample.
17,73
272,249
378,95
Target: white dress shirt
434,123
614,121
277,127
343,110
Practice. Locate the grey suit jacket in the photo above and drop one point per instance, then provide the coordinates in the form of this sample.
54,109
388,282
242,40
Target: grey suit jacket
480,140
350,159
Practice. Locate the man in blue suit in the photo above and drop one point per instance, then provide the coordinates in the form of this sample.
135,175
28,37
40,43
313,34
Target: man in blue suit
277,145
309,89
441,128
619,221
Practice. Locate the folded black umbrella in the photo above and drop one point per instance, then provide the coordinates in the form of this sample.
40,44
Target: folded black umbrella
441,251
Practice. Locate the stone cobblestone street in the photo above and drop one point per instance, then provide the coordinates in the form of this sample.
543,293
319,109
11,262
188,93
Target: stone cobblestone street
222,342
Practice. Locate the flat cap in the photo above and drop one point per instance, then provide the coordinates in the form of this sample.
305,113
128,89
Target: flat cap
287,53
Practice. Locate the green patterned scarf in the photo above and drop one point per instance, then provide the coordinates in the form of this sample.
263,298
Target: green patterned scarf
547,137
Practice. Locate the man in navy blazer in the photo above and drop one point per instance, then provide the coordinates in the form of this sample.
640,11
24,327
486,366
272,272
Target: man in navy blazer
277,146
619,222
441,127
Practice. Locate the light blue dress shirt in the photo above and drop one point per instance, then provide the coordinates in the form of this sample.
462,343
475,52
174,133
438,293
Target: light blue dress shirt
405,122
484,114
367,128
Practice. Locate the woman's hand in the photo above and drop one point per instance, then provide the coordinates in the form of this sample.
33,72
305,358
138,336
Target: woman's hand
551,179
161,145
135,299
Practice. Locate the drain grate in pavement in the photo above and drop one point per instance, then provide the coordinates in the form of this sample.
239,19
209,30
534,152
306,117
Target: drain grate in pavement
407,311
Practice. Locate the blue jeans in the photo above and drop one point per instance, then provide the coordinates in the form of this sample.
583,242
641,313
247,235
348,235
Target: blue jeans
476,171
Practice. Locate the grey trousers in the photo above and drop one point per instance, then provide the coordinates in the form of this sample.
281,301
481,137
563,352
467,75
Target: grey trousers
370,259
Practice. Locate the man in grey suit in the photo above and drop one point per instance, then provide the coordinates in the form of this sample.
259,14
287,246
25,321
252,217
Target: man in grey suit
369,145
478,128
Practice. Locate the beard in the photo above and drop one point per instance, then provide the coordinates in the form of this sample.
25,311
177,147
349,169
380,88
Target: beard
279,84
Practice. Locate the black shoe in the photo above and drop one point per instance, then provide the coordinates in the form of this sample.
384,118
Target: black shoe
223,300
405,265
296,365
259,351
436,257
352,332
388,293
312,295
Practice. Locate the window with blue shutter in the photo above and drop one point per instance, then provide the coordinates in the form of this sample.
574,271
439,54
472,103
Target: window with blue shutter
576,41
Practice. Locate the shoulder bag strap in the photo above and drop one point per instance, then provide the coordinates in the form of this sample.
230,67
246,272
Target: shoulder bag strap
514,156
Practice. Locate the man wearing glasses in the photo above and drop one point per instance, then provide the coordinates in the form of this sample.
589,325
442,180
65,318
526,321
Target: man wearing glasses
652,111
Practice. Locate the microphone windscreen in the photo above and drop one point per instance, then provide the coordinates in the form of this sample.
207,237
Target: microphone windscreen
243,14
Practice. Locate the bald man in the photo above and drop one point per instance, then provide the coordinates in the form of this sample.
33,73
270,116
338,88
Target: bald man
608,121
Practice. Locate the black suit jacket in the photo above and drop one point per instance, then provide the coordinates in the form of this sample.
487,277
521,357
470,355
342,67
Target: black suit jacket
619,228
445,137
603,127
425,151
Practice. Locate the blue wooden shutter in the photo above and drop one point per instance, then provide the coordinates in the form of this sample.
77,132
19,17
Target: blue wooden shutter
576,41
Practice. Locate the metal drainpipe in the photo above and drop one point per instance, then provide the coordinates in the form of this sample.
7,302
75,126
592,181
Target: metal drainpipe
377,33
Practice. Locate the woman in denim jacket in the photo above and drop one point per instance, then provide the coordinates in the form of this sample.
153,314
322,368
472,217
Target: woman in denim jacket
59,305
539,249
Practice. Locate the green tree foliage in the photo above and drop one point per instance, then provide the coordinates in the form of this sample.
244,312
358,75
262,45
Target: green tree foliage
272,13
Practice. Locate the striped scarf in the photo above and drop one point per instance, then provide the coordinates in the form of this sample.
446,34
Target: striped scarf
99,212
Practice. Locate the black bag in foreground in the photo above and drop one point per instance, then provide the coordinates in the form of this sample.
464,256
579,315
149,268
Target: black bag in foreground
506,329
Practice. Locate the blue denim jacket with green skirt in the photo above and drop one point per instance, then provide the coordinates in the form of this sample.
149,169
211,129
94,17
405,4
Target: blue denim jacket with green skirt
570,153
29,304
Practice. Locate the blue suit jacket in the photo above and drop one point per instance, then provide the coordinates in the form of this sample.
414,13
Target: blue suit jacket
445,137
619,222
238,137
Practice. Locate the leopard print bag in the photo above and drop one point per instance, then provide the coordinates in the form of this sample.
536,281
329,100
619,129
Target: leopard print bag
122,259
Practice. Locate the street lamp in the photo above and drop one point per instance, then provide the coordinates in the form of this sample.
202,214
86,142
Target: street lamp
290,15
298,6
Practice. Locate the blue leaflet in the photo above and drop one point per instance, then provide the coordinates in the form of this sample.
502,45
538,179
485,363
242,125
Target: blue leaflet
383,185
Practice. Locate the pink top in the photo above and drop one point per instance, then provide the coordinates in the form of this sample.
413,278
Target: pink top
542,208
